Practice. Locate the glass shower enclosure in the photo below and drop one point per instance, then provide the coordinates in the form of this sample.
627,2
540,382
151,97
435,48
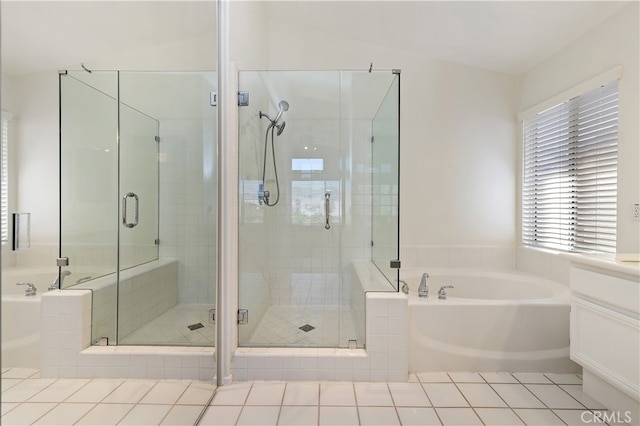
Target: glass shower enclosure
318,193
138,203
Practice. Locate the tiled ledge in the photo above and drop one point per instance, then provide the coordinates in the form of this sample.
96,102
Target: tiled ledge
384,360
148,362
66,350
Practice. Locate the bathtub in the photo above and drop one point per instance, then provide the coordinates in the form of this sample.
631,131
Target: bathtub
21,316
490,321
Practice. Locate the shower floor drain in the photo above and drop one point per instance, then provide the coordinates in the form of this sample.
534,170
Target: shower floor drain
306,328
195,326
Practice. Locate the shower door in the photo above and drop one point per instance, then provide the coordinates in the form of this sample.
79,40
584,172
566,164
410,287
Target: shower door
289,259
138,203
138,188
337,175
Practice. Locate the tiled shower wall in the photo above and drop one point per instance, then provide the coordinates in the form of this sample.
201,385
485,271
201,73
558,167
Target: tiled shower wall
188,205
494,257
305,257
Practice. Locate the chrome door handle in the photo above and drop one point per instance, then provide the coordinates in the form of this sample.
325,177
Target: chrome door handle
124,210
327,196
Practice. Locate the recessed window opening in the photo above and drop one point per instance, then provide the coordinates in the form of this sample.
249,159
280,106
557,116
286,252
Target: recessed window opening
308,201
307,164
569,192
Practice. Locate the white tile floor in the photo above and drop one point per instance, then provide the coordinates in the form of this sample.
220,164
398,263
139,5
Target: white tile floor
427,399
28,399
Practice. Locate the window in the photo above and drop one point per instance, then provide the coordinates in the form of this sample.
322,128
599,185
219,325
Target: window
308,192
4,183
570,174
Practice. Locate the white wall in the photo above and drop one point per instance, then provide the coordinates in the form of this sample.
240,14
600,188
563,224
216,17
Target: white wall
36,109
9,105
613,42
38,191
458,151
249,35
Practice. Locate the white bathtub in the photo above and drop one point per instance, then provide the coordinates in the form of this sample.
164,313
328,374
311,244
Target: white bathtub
21,316
490,321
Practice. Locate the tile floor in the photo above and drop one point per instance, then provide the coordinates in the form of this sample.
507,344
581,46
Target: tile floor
332,325
28,399
455,398
172,327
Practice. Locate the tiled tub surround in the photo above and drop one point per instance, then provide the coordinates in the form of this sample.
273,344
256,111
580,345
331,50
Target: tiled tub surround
491,321
66,350
385,358
145,292
481,257
377,310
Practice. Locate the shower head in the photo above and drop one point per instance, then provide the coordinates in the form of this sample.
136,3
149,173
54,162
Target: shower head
284,106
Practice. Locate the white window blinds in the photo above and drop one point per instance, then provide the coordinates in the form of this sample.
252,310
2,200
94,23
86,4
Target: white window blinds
569,191
4,183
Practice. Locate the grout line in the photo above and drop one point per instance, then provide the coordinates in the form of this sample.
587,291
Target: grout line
455,384
45,413
318,405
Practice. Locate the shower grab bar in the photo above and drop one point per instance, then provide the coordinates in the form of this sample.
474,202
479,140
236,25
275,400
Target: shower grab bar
124,210
327,195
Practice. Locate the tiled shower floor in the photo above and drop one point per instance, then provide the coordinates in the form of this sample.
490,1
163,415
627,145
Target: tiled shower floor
280,326
172,327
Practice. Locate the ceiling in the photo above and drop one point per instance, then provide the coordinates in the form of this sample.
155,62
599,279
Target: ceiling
45,35
505,36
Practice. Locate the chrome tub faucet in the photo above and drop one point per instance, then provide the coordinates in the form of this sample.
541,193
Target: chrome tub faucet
30,290
57,283
423,290
442,293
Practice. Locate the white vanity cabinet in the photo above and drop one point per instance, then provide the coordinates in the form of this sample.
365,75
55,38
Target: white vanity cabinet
605,331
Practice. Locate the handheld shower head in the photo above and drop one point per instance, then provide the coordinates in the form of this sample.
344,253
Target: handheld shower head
284,106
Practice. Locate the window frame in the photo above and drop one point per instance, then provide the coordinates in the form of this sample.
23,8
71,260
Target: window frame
576,229
5,225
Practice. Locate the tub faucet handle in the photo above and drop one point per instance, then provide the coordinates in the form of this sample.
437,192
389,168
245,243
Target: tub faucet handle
442,293
405,286
423,290
30,290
